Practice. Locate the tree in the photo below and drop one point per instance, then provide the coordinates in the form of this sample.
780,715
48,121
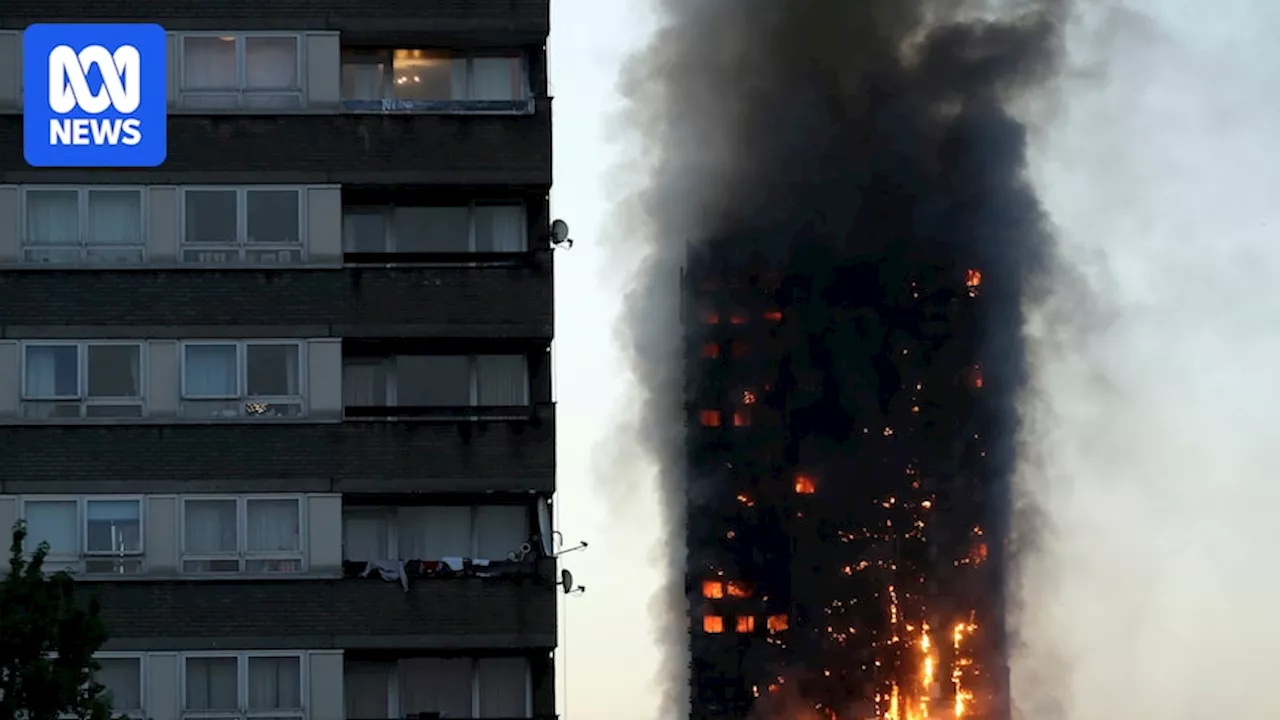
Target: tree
47,643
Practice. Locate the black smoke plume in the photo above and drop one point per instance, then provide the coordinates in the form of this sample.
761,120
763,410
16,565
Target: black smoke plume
838,186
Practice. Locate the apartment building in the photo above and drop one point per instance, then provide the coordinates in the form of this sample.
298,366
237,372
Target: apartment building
284,402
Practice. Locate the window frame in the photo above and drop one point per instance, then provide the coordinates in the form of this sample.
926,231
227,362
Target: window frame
241,91
82,532
142,680
387,56
473,369
243,555
390,514
242,711
242,247
387,213
82,398
242,399
82,246
396,690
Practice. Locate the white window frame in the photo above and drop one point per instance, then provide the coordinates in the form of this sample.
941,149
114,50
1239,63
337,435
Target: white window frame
142,681
82,379
242,397
473,365
83,247
242,686
82,531
387,213
240,92
387,58
241,249
242,554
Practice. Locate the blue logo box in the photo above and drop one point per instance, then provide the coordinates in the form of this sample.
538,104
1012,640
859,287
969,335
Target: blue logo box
95,95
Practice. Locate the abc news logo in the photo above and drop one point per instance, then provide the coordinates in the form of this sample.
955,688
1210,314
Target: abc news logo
95,95
69,89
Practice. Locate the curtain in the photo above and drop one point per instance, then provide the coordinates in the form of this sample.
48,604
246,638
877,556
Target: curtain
211,371
364,232
502,380
272,371
212,684
432,229
434,533
272,526
503,687
362,80
53,217
275,683
271,63
211,216
367,690
433,380
208,63
500,228
113,526
440,685
114,371
55,522
115,217
365,535
500,529
364,384
209,527
123,678
52,371
496,78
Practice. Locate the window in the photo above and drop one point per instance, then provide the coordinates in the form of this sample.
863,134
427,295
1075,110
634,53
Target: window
261,225
96,536
242,379
437,381
122,677
454,229
486,532
457,687
246,71
433,76
229,686
231,535
83,225
82,380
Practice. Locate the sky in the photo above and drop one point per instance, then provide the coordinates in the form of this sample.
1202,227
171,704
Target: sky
1151,425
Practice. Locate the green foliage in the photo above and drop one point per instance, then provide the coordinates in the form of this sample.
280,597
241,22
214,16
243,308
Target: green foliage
47,643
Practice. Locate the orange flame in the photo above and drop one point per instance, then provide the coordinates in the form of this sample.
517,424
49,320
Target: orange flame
712,590
712,624
804,485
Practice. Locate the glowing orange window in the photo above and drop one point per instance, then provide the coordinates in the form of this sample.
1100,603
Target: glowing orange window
746,623
777,623
737,319
710,350
712,589
741,419
804,485
710,418
773,316
712,624
739,589
711,317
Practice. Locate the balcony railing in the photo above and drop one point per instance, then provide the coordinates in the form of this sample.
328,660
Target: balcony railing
438,716
466,413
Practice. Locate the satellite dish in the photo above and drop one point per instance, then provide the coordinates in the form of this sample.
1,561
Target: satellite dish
560,234
566,579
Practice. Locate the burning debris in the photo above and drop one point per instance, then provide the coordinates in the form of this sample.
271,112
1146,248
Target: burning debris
843,187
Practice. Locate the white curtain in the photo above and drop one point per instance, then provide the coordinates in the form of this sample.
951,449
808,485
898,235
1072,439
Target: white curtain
364,384
271,63
209,527
53,371
113,526
365,535
502,380
500,228
53,217
496,78
275,683
115,217
440,685
114,371
367,689
212,683
55,522
500,529
208,63
272,526
123,679
433,533
503,687
272,371
364,232
211,371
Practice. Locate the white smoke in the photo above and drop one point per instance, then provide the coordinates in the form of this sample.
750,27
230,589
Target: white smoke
1152,443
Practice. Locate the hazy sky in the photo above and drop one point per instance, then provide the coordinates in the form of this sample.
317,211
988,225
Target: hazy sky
1155,430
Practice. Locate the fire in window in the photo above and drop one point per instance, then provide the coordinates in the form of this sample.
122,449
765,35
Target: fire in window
739,589
712,589
741,418
773,316
738,318
777,623
746,623
710,418
710,317
804,485
710,350
712,624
